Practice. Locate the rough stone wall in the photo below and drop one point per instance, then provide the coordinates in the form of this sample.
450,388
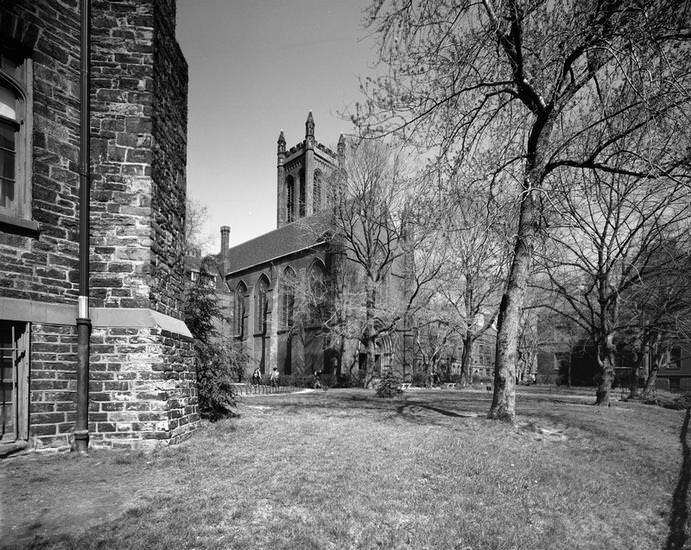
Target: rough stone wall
181,388
169,128
141,387
139,130
53,384
43,266
142,379
121,97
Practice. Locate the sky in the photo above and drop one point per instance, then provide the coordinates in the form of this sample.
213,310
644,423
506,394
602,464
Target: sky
257,67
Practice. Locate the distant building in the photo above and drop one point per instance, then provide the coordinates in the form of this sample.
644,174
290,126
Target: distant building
142,382
266,274
677,374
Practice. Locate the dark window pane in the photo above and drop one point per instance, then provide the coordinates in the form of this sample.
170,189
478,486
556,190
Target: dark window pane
6,165
7,136
6,193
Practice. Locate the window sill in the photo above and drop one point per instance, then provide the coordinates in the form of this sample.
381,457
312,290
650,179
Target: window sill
19,225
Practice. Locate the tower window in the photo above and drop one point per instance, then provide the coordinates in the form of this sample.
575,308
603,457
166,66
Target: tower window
317,195
302,193
290,198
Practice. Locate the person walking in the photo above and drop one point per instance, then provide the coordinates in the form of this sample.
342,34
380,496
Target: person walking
274,378
256,377
317,380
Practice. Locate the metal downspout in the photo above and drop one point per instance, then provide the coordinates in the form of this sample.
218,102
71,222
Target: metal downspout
81,427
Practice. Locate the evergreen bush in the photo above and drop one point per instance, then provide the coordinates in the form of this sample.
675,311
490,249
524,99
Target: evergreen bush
217,361
389,385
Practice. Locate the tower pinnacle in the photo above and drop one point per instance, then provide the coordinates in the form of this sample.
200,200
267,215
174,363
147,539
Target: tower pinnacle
281,143
309,125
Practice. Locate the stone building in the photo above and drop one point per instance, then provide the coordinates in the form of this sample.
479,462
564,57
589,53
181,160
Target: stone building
142,387
283,282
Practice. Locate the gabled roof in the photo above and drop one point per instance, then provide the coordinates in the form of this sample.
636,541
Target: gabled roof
294,237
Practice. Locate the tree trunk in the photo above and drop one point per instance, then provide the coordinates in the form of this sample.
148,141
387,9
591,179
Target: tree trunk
650,383
659,357
606,360
370,301
466,357
508,333
634,392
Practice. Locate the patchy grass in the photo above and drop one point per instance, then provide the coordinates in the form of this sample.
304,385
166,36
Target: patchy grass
344,469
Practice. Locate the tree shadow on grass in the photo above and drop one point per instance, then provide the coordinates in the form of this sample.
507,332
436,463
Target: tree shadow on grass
411,407
401,409
677,523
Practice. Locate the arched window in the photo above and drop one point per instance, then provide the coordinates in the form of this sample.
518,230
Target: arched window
290,198
301,178
317,191
15,188
287,297
240,311
316,280
261,305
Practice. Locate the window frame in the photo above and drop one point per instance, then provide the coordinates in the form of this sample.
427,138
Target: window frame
20,213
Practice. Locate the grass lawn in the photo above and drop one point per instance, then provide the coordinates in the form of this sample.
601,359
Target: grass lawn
344,469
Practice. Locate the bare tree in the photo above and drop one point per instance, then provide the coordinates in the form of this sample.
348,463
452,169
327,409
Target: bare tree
608,233
475,234
372,224
561,82
435,326
656,312
196,214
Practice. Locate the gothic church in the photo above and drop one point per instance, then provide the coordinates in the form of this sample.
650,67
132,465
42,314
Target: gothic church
280,281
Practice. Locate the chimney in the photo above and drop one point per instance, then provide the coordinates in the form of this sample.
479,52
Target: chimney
225,238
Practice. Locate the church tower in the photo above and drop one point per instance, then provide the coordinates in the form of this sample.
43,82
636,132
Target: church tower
303,173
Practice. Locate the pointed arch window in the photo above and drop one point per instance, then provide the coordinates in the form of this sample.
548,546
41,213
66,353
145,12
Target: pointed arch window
301,178
316,280
240,311
317,191
287,300
290,198
261,305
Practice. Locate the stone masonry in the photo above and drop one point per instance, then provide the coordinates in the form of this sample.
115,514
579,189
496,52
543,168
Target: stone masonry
142,379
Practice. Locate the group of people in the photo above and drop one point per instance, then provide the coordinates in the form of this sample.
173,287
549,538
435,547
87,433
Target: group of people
257,377
273,378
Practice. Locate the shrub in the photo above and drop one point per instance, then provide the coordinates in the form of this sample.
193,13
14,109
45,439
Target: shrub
419,379
217,366
389,385
217,361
